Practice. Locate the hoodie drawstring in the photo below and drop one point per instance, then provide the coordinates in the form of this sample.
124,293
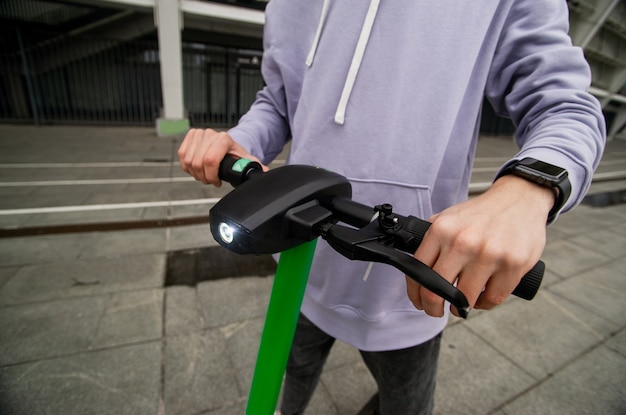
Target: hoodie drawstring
318,33
340,115
357,57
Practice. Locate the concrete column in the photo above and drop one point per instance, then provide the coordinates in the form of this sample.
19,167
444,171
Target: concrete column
168,19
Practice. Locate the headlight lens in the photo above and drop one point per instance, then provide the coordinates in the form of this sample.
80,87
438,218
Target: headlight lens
227,233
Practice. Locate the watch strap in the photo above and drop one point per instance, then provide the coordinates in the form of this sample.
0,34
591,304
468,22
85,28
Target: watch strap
562,187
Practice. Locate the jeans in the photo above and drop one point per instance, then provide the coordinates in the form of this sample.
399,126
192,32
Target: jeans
405,378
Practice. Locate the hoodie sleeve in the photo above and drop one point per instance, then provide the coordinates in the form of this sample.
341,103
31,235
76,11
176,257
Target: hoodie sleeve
264,129
540,81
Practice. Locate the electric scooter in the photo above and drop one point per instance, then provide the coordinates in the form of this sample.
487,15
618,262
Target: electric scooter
286,210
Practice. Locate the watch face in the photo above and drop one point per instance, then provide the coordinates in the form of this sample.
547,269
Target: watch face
545,174
550,172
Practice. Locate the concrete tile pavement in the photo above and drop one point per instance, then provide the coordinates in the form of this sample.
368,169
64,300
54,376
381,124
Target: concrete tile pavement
87,325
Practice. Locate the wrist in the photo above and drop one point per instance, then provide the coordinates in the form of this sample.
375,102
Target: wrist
540,197
543,174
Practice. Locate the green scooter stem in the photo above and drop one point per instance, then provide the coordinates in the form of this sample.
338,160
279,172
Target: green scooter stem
290,282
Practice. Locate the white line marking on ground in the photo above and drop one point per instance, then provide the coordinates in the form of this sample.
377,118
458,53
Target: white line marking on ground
88,165
97,181
111,206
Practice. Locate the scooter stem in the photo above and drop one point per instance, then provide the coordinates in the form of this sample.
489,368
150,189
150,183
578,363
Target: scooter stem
280,325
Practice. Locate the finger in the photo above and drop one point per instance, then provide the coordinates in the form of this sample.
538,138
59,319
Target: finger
221,145
449,269
472,280
213,155
200,152
194,146
428,252
186,149
205,153
413,292
182,150
497,289
439,252
493,275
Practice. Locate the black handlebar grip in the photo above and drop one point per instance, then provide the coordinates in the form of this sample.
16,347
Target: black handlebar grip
530,283
236,171
526,289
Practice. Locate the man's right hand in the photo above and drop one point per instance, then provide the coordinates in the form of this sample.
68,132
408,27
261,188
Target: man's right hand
202,151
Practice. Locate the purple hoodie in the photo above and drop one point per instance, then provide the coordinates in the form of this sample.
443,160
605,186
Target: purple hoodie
389,94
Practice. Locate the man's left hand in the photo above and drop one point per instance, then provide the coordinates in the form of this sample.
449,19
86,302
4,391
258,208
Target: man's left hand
485,245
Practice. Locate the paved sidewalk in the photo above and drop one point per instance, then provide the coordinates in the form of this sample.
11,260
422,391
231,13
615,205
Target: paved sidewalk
88,325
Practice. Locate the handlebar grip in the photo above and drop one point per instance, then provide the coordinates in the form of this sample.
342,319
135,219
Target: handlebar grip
530,283
236,171
527,287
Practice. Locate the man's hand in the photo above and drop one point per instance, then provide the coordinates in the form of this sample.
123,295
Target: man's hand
202,151
485,245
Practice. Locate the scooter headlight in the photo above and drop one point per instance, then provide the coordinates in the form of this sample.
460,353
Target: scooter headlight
226,232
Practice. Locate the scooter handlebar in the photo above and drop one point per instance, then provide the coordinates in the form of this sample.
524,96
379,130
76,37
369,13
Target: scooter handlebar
236,171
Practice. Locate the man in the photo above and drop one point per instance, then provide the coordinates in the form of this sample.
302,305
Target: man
389,94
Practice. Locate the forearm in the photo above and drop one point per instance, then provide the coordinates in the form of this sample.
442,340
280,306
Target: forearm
540,81
263,130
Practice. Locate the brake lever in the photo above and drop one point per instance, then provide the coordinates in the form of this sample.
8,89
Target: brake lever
370,244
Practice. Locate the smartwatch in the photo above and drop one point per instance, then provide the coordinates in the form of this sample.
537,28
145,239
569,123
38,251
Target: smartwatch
544,174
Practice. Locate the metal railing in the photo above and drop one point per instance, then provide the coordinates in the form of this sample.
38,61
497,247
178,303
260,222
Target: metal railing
219,84
56,78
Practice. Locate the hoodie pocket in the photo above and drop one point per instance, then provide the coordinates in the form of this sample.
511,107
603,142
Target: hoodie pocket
407,199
